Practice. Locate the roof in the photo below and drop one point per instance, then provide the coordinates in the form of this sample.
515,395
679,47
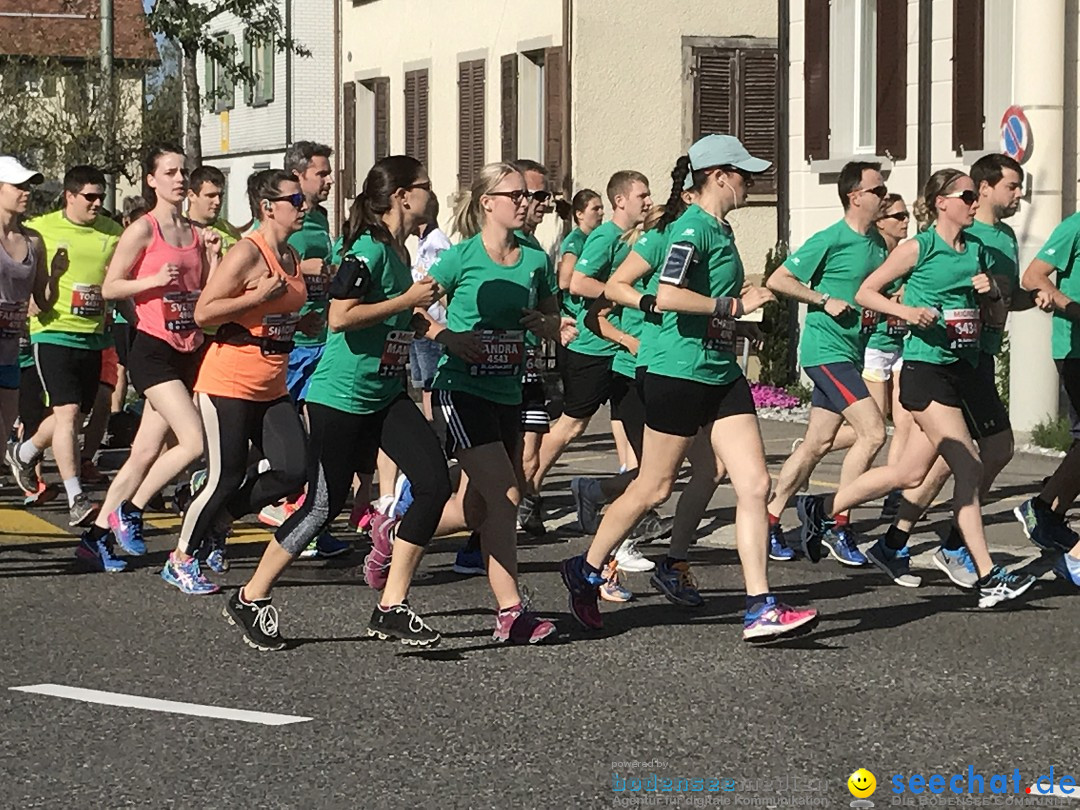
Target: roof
72,28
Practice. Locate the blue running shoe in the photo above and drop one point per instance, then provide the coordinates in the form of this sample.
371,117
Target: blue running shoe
778,549
840,542
677,584
326,545
895,564
469,563
958,566
584,590
98,554
127,529
811,509
403,498
187,576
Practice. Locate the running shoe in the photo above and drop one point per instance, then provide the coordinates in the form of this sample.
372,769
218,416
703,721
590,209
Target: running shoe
469,562
1001,585
1045,528
24,472
90,474
891,506
128,530
403,498
520,626
628,558
894,563
583,590
382,506
401,622
778,549
82,510
589,500
257,620
377,561
276,513
530,516
958,566
677,584
613,590
41,496
216,541
325,546
197,481
774,619
361,516
1068,569
187,576
99,554
840,541
811,509
652,528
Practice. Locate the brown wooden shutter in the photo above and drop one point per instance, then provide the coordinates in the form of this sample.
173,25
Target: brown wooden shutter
816,79
713,99
381,87
348,147
967,112
891,135
759,110
509,90
471,98
416,114
410,113
553,114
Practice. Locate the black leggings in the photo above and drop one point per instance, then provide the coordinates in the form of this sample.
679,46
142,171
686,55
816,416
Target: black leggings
274,428
344,444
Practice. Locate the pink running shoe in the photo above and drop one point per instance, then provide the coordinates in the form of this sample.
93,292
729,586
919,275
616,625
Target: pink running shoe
520,626
377,562
774,619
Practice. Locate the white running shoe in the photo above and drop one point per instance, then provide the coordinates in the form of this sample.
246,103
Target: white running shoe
628,558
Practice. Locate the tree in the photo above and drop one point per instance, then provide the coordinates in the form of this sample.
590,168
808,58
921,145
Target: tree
190,25
780,324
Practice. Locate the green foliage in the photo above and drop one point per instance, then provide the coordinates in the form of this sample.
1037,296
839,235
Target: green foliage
1001,369
778,324
800,391
1053,433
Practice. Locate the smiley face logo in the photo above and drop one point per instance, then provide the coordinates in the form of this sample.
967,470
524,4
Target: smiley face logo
862,784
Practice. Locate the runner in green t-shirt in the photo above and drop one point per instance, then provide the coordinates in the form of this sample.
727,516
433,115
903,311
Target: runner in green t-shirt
825,273
205,197
947,296
588,212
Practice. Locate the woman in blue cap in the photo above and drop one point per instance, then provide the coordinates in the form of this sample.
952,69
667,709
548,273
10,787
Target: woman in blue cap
701,292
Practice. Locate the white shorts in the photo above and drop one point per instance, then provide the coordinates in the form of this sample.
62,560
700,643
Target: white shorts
879,366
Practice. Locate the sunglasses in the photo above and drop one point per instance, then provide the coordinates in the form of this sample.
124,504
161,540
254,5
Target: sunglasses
878,191
515,196
902,216
425,186
969,197
297,200
540,196
93,198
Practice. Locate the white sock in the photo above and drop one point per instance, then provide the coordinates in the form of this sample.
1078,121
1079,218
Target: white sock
28,452
73,488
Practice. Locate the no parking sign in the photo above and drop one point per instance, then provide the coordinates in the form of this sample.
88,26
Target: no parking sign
1015,134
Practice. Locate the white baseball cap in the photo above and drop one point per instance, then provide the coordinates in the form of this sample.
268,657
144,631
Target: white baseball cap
13,172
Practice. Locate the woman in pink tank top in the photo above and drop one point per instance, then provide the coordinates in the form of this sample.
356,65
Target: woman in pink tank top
161,263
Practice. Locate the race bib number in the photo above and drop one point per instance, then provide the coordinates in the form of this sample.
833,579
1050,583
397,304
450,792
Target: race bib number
720,334
895,327
395,353
503,351
279,328
86,300
318,287
180,311
870,320
13,319
533,364
962,328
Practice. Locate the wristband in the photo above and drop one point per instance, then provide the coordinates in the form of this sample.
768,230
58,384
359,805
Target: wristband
647,304
726,307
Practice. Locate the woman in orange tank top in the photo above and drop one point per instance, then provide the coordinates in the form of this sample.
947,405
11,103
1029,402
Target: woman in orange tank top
254,298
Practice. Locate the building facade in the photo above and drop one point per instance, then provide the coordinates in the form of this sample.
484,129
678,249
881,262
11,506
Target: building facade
248,128
921,85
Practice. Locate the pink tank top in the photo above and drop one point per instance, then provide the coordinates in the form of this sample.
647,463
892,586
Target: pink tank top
168,313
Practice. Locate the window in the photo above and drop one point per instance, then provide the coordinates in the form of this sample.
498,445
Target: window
853,74
471,88
348,140
372,122
532,110
998,68
735,92
259,59
35,82
220,89
416,115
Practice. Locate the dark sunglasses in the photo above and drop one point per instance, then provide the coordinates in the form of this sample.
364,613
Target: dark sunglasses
968,196
93,198
27,186
515,196
540,196
425,186
902,216
296,199
878,191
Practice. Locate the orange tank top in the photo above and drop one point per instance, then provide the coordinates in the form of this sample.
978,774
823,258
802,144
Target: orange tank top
251,372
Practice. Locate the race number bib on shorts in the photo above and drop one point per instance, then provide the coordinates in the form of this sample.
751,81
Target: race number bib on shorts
318,287
280,329
13,319
962,328
180,311
395,353
503,351
533,364
720,334
870,320
895,327
86,300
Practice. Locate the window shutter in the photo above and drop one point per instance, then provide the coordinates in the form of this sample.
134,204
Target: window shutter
509,90
968,39
228,99
416,114
891,133
209,88
479,99
410,114
348,147
268,71
759,110
553,114
470,120
382,117
713,100
249,67
816,79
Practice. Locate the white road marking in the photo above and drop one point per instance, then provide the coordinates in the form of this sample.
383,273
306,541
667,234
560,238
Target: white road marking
156,705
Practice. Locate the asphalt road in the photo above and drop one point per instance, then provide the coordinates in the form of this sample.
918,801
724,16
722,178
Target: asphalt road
898,681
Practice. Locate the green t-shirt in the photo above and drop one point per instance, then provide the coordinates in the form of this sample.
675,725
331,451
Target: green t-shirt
1001,255
1060,252
699,347
529,239
313,242
363,370
532,341
489,298
835,261
652,247
78,318
604,250
885,334
572,245
941,280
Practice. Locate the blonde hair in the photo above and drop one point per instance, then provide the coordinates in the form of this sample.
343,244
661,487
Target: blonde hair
925,208
652,219
468,214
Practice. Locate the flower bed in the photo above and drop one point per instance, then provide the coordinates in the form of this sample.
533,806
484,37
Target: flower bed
769,396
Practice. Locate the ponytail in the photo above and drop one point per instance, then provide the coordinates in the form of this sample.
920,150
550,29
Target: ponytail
675,206
366,213
468,213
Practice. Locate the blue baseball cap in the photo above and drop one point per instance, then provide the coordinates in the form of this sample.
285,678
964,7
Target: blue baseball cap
722,150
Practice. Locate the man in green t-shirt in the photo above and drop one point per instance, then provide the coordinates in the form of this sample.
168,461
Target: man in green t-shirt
68,339
206,190
825,273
